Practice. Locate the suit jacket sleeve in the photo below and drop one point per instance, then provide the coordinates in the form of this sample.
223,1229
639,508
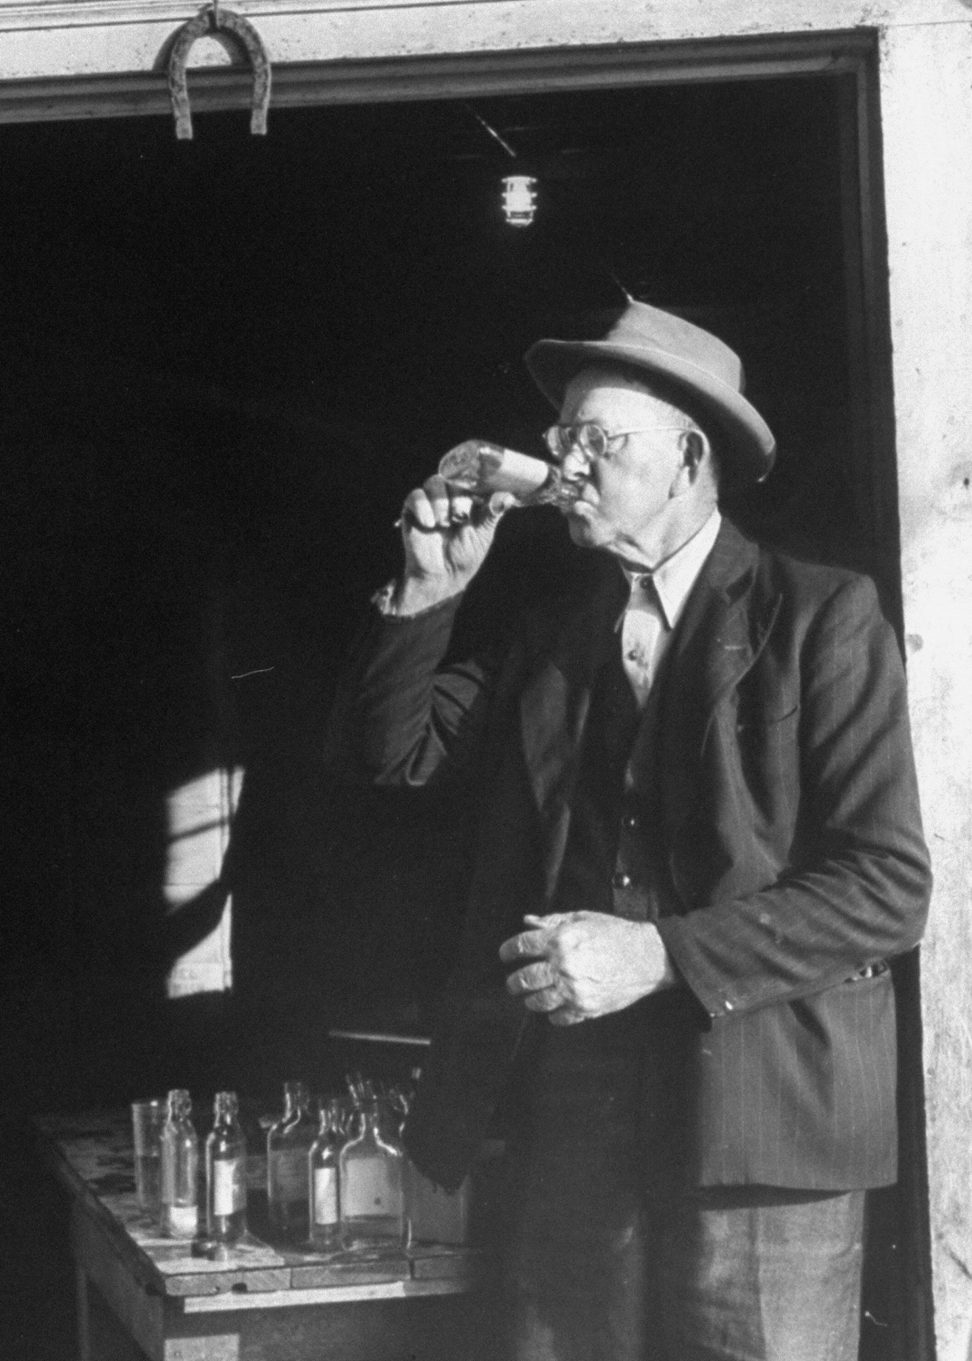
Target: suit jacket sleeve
402,716
858,891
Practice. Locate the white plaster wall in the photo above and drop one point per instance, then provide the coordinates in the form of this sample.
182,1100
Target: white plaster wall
48,38
926,79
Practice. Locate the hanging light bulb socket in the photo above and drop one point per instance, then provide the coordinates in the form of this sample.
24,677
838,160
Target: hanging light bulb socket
519,200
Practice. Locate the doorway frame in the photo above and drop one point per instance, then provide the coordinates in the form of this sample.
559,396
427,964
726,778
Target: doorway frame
899,300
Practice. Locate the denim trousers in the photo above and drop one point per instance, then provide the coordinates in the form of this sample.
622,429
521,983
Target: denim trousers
606,1265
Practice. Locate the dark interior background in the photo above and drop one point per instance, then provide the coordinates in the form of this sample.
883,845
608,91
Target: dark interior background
224,363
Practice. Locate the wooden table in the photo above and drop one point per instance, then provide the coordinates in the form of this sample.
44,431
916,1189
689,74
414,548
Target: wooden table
264,1303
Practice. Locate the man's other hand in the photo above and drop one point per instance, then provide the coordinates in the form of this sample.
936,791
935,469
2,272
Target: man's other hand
578,965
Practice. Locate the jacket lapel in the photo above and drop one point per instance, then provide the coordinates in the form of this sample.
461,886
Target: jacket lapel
725,626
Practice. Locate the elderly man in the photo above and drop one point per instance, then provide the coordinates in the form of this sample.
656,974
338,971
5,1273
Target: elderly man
699,845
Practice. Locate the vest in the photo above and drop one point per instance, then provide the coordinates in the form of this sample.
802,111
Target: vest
614,860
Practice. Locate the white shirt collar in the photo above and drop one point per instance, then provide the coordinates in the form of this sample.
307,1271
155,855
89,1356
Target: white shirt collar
675,577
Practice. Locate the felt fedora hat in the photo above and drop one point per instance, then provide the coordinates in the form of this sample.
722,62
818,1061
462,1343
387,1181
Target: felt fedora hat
688,358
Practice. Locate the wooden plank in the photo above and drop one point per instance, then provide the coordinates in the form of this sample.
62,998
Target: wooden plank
185,1282
139,1311
344,1272
327,1296
394,1329
249,1264
70,1146
431,1264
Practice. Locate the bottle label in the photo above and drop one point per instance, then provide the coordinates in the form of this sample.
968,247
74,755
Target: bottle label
288,1175
229,1186
372,1187
325,1195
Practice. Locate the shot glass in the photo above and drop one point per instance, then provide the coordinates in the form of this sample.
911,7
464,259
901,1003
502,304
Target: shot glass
148,1117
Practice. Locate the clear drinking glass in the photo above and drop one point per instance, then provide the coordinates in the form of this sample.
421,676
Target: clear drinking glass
148,1117
479,467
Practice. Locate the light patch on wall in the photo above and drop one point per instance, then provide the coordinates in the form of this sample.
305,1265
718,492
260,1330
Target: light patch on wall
200,814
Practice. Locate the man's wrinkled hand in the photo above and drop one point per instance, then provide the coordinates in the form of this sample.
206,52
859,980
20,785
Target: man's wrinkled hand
446,536
578,965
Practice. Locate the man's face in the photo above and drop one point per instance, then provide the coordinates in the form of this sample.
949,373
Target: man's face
628,491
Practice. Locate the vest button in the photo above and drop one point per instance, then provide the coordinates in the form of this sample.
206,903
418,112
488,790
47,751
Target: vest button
621,880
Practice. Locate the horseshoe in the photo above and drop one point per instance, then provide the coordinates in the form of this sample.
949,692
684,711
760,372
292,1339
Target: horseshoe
214,19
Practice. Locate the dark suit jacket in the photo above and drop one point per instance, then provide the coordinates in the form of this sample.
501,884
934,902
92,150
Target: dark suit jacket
790,829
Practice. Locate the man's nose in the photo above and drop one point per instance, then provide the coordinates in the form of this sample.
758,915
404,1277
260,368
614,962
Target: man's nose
576,463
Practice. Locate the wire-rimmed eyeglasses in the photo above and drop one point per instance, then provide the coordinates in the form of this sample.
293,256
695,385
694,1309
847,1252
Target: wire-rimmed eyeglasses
591,439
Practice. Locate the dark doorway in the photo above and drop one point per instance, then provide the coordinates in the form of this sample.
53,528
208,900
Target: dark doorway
224,364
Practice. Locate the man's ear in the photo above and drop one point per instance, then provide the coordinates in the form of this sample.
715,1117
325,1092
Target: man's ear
694,448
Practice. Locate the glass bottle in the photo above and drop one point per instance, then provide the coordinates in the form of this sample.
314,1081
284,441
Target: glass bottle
225,1172
288,1145
324,1201
180,1169
481,468
371,1181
